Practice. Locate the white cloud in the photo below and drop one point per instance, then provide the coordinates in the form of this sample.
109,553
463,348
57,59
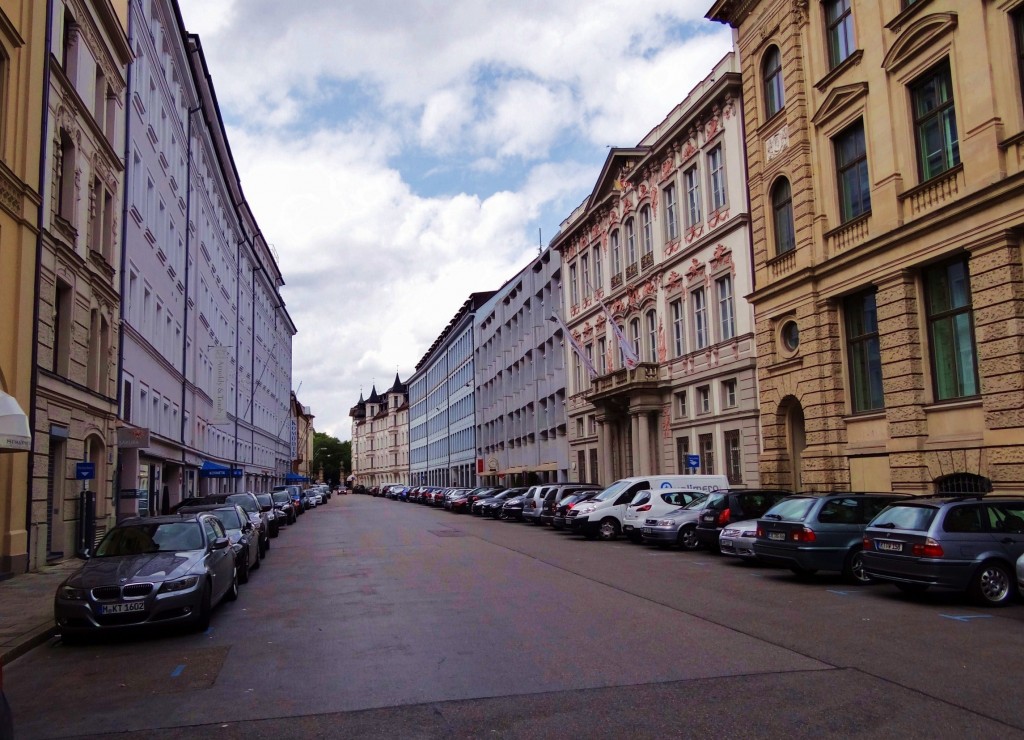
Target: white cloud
336,108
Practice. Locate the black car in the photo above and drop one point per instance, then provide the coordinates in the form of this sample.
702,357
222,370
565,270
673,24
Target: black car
512,508
283,501
275,513
240,531
733,505
559,519
491,505
249,504
556,494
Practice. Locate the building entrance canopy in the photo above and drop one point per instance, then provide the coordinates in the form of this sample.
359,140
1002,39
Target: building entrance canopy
15,435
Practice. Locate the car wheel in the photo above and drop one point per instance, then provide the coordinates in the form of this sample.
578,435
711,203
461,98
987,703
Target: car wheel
203,617
258,562
688,538
266,544
242,574
275,530
261,551
992,585
232,594
853,569
608,530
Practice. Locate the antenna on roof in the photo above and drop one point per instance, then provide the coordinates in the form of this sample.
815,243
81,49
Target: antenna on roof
540,242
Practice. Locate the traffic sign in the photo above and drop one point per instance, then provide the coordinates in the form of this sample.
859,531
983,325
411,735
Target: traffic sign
693,461
85,471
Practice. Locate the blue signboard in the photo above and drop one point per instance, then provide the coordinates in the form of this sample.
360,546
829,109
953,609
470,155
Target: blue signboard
693,461
85,471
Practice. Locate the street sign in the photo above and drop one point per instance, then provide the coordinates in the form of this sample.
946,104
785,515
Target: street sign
693,461
85,471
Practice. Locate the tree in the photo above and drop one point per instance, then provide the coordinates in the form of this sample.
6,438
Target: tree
331,456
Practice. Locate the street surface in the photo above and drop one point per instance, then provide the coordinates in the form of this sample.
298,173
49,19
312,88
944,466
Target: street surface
374,618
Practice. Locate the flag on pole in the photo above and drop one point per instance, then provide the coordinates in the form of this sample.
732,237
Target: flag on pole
576,346
629,355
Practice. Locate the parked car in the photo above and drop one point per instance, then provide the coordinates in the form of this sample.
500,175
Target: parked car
602,515
560,519
492,506
315,497
243,535
678,527
654,503
6,718
276,517
738,538
482,492
966,543
1020,574
295,493
460,502
533,502
733,505
154,570
512,508
451,494
557,493
283,501
247,501
808,532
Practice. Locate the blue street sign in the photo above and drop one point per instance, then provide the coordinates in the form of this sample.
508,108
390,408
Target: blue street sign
85,471
693,461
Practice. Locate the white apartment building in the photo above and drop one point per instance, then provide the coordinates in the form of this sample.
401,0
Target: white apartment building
520,379
380,436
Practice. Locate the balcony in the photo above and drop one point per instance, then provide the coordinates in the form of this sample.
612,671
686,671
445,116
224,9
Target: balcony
645,376
930,195
617,281
632,271
647,261
847,235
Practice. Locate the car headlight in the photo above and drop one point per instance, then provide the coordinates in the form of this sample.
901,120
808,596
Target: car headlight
70,593
749,533
179,585
730,533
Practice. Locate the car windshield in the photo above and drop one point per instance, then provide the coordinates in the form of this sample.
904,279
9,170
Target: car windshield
915,518
136,539
264,499
229,518
697,503
790,509
281,497
245,501
612,491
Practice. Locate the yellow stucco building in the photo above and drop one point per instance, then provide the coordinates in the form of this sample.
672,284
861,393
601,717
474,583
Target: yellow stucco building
885,145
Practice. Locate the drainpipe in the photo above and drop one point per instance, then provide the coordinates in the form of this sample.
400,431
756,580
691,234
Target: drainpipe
188,252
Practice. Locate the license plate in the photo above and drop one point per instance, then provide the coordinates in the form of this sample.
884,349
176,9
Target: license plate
890,546
647,530
135,606
725,543
776,535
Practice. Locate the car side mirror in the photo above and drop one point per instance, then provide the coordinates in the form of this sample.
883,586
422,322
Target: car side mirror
220,543
85,554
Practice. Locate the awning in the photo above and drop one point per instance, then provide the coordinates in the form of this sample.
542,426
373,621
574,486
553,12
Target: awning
295,478
210,469
15,435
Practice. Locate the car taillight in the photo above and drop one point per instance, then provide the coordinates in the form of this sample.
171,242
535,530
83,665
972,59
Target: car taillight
645,507
804,535
569,506
928,549
760,532
723,517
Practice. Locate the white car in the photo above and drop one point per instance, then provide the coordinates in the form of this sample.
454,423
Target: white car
738,539
315,497
646,505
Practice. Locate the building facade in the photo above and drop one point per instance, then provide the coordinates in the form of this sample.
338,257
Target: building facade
887,240
520,379
380,436
304,433
442,411
79,287
205,384
23,55
661,248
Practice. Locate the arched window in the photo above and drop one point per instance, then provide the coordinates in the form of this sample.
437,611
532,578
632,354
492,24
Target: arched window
782,217
616,253
634,336
630,243
652,336
648,230
771,74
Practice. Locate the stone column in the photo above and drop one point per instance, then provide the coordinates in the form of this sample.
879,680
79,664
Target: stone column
644,449
606,465
634,430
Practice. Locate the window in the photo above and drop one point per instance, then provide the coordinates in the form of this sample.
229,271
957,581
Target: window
62,318
706,444
951,330
648,230
692,197
729,393
704,399
574,288
864,353
716,168
602,353
782,217
616,254
126,401
66,181
839,19
771,74
677,327
681,404
634,334
682,452
671,213
598,276
938,148
652,336
1018,35
630,243
733,457
852,172
700,319
726,309
585,273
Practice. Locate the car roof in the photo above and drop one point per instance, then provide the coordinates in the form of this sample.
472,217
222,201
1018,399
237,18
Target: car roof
162,519
206,507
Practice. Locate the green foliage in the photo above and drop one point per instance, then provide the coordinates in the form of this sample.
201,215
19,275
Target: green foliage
332,457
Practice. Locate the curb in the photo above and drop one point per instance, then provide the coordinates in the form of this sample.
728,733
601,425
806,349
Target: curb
26,642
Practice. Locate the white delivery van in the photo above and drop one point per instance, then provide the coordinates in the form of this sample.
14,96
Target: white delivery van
603,516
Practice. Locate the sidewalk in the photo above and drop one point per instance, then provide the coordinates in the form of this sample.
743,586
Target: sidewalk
26,608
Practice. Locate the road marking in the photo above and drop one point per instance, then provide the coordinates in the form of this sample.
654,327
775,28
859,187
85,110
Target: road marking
837,592
177,671
966,617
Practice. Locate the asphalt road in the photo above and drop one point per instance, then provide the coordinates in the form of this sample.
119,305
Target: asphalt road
373,618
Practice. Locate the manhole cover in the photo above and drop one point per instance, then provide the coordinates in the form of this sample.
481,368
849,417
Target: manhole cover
447,533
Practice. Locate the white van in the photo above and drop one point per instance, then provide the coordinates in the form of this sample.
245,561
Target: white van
603,515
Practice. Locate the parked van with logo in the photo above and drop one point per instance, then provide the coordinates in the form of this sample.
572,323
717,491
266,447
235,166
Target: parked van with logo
603,516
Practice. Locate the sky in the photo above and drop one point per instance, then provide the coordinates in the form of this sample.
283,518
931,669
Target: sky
401,155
